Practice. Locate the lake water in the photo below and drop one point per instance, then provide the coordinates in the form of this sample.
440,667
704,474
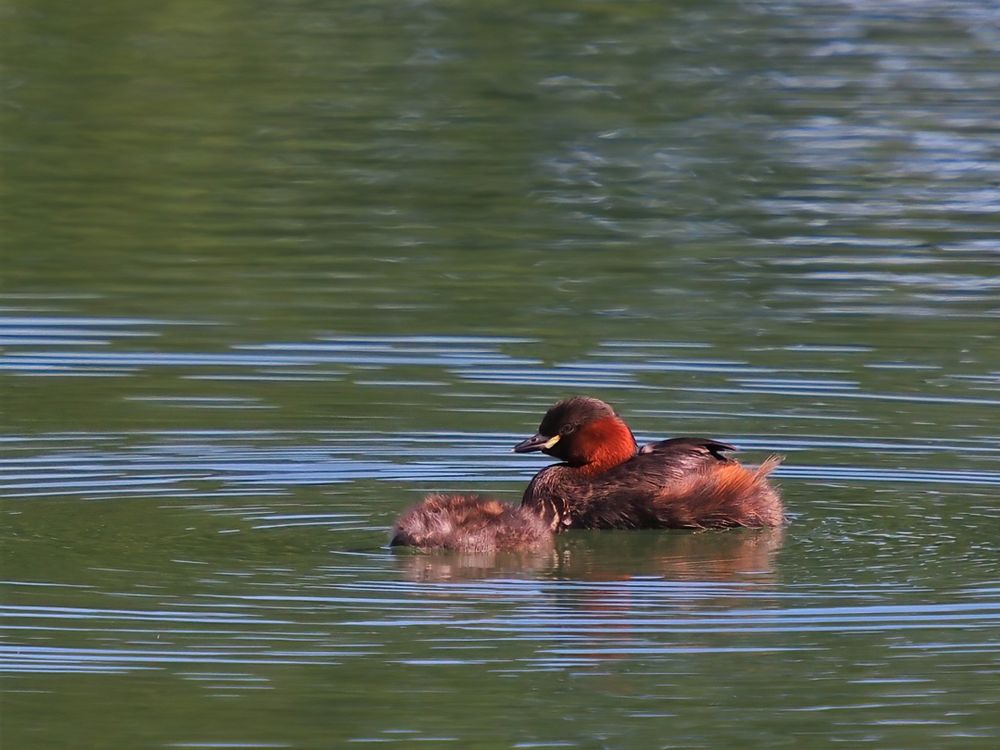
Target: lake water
272,271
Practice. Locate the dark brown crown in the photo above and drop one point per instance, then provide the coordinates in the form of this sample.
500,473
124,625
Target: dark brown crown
571,413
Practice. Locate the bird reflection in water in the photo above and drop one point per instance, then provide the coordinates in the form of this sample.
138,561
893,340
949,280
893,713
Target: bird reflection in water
746,555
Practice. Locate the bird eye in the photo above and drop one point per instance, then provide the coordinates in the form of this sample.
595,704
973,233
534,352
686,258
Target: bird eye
566,429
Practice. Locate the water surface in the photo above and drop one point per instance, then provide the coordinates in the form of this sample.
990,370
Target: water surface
272,272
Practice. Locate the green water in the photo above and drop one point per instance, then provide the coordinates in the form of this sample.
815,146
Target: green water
270,272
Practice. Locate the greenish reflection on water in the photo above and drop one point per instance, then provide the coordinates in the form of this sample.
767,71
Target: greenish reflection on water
271,272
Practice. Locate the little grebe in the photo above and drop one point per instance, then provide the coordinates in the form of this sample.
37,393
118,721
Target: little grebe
470,523
605,482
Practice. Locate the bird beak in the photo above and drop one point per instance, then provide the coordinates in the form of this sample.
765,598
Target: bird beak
536,442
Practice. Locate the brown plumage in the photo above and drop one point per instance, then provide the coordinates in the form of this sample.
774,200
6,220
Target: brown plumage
673,489
470,523
605,481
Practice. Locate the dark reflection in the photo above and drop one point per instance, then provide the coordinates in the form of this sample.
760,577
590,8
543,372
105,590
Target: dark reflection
639,594
682,555
446,565
728,556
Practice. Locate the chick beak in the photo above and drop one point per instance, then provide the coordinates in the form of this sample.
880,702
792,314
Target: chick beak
537,442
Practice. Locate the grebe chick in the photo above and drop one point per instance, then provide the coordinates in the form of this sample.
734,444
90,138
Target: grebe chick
607,482
470,523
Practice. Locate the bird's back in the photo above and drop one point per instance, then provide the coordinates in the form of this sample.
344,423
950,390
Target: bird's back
678,483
